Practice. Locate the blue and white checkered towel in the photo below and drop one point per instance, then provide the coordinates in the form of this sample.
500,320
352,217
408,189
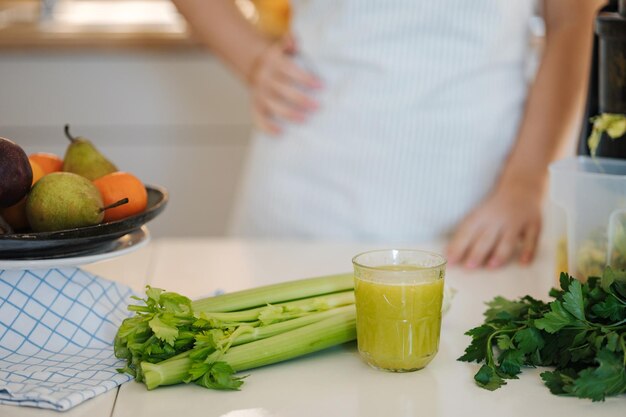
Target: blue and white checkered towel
56,336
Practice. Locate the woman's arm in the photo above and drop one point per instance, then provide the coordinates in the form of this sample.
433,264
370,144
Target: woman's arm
220,26
266,66
509,220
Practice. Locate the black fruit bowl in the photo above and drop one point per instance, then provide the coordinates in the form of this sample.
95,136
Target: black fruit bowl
81,240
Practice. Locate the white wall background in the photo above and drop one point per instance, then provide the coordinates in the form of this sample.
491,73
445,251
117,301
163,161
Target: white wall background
176,119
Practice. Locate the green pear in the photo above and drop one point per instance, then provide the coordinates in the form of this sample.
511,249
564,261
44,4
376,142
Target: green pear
82,158
63,200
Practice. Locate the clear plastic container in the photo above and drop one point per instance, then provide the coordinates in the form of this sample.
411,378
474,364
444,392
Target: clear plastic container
592,194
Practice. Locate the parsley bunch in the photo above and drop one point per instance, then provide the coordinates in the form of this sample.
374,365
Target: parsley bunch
582,334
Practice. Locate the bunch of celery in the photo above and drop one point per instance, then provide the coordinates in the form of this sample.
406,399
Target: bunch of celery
172,339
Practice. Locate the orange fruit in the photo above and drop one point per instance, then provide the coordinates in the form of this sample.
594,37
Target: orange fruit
118,185
48,161
38,171
15,215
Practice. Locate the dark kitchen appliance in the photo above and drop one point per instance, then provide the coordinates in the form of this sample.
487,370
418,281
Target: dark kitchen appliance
607,81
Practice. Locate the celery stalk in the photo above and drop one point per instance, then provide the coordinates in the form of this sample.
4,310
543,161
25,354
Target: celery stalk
170,372
282,311
311,338
276,293
336,329
262,332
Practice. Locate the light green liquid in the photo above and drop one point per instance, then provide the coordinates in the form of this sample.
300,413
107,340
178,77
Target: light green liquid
398,324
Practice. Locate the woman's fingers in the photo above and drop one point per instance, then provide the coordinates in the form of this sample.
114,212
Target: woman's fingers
264,122
282,109
293,96
293,73
504,249
483,245
524,239
280,89
462,240
493,245
530,239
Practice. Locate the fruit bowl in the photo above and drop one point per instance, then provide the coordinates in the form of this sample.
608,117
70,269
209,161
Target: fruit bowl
81,240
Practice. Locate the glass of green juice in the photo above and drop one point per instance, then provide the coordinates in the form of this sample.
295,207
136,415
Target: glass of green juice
398,307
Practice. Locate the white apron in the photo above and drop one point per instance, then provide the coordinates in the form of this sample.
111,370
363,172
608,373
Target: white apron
420,107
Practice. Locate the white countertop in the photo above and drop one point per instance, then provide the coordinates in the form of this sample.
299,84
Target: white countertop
334,382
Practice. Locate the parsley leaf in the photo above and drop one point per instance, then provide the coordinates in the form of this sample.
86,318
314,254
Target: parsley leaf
487,378
505,342
609,378
503,309
511,363
529,340
556,319
611,308
477,350
573,300
559,382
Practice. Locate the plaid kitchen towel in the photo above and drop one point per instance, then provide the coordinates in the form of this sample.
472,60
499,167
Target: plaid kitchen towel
56,336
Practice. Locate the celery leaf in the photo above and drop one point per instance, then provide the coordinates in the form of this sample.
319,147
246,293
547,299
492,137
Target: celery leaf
219,375
164,331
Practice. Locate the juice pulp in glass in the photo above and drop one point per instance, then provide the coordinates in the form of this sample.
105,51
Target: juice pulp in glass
398,324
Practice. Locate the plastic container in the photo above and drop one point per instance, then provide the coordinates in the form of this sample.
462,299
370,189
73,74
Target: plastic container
592,195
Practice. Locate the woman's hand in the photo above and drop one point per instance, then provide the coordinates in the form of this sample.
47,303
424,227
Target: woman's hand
280,87
506,224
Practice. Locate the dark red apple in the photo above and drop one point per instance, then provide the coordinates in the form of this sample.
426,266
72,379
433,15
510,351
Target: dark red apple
16,175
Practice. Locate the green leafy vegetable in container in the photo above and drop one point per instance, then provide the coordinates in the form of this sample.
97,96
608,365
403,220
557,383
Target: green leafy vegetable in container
581,334
601,249
617,242
614,125
591,256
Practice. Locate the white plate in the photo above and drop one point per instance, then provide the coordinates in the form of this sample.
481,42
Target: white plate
123,245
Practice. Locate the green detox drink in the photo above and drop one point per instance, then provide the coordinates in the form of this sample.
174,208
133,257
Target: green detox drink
399,313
